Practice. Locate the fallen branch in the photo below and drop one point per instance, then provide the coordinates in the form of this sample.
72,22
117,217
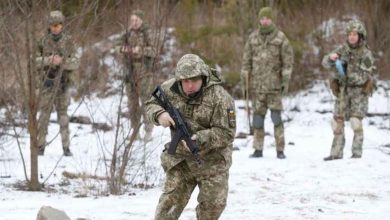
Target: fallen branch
71,175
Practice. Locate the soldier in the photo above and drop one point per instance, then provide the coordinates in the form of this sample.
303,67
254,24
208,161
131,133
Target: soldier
352,83
266,69
136,45
208,109
56,59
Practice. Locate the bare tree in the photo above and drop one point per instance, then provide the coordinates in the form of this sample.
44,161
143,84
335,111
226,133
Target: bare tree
21,61
122,151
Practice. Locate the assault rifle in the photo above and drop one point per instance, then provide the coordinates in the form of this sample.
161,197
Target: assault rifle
181,130
53,71
129,74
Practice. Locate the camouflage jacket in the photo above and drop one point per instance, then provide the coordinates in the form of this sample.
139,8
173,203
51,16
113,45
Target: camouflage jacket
141,38
360,64
267,61
63,46
208,118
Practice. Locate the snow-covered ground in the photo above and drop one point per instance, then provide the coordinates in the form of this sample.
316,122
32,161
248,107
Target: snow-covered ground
301,187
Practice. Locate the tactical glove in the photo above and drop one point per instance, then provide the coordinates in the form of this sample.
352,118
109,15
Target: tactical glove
165,120
340,67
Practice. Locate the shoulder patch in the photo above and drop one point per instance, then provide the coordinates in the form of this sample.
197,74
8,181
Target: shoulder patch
231,117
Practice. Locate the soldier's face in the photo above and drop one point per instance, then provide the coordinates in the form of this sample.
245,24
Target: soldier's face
353,37
135,22
191,86
265,22
55,28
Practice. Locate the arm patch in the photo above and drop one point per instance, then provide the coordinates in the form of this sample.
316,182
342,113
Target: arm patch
231,117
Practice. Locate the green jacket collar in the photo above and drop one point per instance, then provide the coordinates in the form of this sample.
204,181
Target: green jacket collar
267,30
56,37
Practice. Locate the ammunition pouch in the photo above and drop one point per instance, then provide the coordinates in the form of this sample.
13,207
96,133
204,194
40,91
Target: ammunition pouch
51,75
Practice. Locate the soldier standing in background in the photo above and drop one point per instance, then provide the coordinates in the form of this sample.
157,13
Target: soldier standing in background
267,65
136,46
352,83
56,60
209,112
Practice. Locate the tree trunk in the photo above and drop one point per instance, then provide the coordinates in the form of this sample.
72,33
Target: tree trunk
34,184
32,103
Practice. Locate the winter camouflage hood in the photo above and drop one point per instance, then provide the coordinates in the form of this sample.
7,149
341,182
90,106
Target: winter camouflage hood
213,78
191,66
357,26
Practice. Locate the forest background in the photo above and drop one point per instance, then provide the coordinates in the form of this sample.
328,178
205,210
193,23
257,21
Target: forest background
214,29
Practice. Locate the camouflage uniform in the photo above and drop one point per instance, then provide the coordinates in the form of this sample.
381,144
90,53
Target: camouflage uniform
208,118
54,81
352,96
268,63
140,84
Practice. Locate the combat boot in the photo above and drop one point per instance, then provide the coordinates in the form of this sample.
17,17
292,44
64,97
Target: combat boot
67,152
41,150
356,156
280,155
257,153
332,158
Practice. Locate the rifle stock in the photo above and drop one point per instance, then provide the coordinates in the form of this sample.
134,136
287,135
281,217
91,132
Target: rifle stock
127,56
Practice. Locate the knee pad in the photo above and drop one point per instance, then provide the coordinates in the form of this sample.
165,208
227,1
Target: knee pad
258,121
276,117
337,126
356,124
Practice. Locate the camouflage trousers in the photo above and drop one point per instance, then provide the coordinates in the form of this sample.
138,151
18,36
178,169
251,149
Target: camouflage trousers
180,183
353,104
58,98
262,103
352,107
137,94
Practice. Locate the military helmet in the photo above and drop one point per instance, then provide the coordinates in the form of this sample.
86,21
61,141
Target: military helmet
357,26
139,13
56,17
190,66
